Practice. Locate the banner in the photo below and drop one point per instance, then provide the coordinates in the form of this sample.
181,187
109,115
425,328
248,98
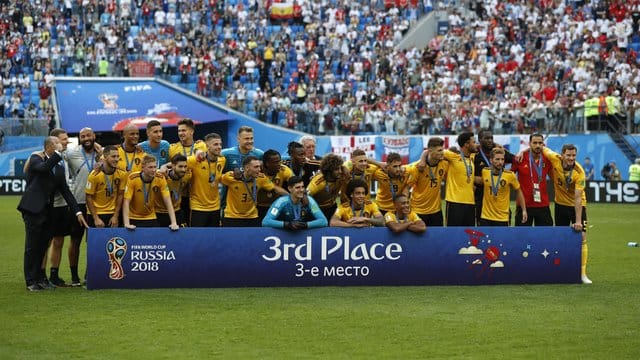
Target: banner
408,147
232,257
142,69
614,192
282,10
12,185
110,105
344,145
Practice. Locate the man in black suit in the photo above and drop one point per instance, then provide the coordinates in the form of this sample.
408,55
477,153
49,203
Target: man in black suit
45,177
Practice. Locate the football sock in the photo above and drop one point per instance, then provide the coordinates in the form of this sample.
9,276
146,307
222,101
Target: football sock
74,272
585,252
54,273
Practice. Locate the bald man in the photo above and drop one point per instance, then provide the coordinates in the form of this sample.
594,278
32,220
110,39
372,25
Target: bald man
131,154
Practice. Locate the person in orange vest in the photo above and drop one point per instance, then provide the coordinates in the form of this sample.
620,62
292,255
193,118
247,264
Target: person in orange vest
602,111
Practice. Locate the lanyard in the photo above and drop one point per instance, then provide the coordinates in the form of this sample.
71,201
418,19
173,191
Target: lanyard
86,160
567,179
495,187
254,188
533,165
432,176
297,211
485,158
326,187
353,176
353,210
145,191
175,193
184,150
108,182
468,166
393,190
126,158
212,176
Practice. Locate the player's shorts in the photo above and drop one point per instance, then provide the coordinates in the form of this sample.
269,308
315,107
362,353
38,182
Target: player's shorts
205,218
61,221
486,222
104,217
164,220
233,222
144,223
77,230
435,219
538,216
566,215
459,214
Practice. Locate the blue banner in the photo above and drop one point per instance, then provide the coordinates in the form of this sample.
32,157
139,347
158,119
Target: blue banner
235,257
110,105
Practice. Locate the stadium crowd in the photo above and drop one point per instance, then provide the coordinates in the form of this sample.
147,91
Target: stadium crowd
333,67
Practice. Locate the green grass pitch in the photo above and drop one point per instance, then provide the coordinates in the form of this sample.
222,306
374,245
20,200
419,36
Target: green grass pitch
601,321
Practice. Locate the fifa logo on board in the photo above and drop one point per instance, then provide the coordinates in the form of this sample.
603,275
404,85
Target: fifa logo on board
116,249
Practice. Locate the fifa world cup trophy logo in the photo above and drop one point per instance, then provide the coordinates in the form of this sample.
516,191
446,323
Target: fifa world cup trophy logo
109,100
116,248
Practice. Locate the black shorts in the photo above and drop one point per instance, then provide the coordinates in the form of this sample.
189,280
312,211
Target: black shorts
205,218
164,220
486,222
435,219
104,217
566,215
329,211
144,223
538,216
185,206
61,221
77,230
262,212
461,214
233,222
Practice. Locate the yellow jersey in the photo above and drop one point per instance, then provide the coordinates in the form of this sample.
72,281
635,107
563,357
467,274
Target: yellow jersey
142,195
266,198
460,178
391,217
495,205
367,176
325,193
205,176
389,187
566,182
426,195
104,189
178,148
345,212
176,189
130,161
242,195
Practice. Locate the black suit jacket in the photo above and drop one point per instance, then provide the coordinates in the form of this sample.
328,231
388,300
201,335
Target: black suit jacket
45,177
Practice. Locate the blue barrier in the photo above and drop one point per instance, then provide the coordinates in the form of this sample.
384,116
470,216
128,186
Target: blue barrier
236,257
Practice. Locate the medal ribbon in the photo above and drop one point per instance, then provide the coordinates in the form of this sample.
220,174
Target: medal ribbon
495,187
254,188
468,166
86,160
538,168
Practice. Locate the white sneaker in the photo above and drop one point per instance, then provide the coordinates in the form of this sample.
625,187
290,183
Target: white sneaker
585,280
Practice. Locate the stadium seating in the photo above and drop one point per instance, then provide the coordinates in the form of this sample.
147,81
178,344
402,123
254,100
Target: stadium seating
469,68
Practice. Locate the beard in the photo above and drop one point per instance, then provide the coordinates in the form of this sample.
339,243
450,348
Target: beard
88,147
